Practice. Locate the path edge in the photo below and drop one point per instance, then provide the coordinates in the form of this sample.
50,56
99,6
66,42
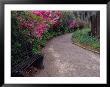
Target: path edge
85,48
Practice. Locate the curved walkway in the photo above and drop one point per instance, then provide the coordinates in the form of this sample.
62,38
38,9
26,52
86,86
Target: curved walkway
64,59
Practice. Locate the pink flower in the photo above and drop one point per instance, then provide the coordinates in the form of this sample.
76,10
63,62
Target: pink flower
49,19
41,27
37,13
44,14
72,24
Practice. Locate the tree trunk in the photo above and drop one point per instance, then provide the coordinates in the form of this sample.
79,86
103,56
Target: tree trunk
95,24
98,24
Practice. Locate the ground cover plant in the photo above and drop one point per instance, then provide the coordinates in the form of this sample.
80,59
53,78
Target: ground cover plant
85,39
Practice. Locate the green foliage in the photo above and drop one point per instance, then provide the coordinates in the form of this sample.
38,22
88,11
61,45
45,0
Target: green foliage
34,17
19,41
40,43
82,37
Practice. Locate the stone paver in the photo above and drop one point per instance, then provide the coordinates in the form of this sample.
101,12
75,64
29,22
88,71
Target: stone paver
64,59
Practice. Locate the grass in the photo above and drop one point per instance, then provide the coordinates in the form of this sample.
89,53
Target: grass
82,37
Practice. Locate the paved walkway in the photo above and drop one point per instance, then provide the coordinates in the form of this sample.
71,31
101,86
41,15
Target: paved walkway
64,59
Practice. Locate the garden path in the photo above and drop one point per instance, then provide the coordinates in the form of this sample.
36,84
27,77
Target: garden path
64,59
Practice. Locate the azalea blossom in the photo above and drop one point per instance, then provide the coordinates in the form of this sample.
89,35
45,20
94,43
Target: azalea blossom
38,28
72,24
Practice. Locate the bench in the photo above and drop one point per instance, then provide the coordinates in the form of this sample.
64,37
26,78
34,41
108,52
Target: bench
30,59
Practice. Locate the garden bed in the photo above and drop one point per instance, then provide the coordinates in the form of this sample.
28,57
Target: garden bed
31,30
86,41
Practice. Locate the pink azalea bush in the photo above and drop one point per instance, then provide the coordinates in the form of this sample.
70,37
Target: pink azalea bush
72,24
39,30
25,24
44,14
49,19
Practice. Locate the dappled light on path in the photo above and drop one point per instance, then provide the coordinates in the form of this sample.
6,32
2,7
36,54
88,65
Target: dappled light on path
64,59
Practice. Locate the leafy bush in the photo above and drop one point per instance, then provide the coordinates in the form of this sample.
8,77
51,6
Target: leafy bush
20,42
82,37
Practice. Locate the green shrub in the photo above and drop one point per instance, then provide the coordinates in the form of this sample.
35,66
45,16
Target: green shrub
82,37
